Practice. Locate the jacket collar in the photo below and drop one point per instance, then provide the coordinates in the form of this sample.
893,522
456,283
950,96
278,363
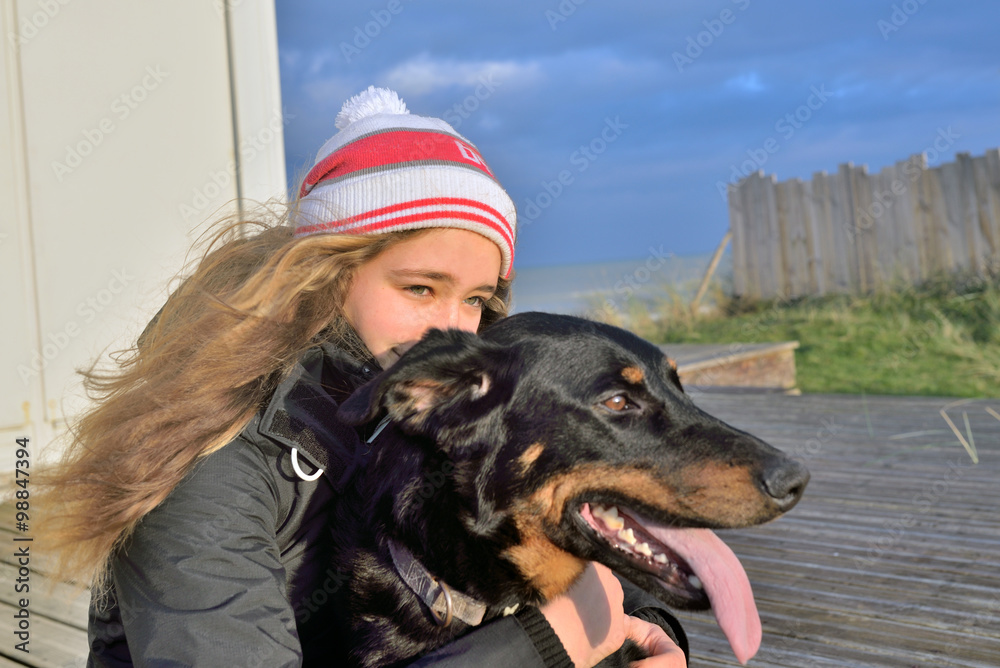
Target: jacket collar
301,414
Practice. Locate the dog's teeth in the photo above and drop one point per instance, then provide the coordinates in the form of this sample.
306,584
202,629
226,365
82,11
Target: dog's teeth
603,514
627,535
609,516
695,581
660,558
644,549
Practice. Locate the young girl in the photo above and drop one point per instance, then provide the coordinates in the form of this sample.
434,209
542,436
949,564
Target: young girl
195,494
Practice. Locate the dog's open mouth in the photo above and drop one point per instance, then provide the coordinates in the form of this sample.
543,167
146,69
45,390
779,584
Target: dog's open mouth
629,537
693,564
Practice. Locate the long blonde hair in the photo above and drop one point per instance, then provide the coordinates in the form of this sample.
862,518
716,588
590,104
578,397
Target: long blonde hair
208,361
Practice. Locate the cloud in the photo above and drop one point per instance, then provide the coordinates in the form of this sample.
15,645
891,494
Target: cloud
331,92
424,74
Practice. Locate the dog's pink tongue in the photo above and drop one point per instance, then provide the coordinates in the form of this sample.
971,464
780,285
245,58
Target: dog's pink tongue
725,582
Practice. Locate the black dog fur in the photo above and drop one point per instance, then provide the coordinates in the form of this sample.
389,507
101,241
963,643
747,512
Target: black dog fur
495,443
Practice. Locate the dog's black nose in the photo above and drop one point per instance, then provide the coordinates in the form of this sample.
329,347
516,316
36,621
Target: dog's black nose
784,480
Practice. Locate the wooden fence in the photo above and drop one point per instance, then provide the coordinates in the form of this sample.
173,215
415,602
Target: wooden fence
852,231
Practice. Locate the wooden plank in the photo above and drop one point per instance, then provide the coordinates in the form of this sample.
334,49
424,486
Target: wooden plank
820,204
968,202
993,171
764,241
51,645
860,184
801,281
814,256
871,217
987,177
63,603
752,245
841,219
738,227
713,264
887,203
938,249
783,239
7,663
753,233
980,184
948,213
776,271
906,243
920,201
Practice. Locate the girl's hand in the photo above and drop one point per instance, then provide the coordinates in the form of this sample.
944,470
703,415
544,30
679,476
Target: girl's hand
662,651
589,618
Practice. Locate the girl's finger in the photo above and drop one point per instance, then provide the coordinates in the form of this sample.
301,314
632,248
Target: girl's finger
662,651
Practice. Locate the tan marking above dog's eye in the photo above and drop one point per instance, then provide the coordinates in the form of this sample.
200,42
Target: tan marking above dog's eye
617,403
529,456
633,374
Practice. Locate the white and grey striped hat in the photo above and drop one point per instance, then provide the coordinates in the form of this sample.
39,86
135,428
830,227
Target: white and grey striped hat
388,170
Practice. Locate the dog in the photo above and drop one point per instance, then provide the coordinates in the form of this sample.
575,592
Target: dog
512,459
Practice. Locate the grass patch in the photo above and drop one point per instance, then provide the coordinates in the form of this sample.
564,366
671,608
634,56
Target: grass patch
941,338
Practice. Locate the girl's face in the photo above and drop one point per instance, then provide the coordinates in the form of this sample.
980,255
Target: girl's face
439,279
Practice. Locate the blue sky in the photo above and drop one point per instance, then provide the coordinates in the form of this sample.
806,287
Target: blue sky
642,108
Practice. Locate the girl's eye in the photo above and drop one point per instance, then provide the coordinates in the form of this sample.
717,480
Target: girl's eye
419,290
478,302
618,403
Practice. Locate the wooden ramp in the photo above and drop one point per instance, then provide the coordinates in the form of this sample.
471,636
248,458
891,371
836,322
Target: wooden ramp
891,559
742,367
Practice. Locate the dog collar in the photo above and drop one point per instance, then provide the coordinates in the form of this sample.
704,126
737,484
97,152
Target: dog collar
443,601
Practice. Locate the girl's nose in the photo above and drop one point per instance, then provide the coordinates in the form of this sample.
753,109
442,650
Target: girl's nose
454,316
457,316
445,316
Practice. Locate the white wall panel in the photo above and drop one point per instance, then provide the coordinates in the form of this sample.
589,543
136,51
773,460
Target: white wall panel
20,373
130,147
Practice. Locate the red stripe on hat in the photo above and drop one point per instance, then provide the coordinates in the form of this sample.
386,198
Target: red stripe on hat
430,215
495,220
393,147
337,225
390,223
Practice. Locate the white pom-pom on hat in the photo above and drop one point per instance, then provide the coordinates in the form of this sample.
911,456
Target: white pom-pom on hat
368,103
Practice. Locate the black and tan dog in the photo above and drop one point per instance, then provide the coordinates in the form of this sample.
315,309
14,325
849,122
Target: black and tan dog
514,458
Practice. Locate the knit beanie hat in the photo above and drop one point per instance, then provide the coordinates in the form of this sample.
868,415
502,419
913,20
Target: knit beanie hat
387,170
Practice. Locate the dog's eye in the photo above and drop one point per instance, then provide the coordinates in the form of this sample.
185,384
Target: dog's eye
619,402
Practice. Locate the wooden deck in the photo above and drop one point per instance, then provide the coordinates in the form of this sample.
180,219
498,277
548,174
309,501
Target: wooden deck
891,559
893,556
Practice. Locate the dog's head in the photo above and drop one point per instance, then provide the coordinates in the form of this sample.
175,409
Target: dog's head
579,436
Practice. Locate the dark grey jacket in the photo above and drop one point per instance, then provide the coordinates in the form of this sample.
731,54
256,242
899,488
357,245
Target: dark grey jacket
233,568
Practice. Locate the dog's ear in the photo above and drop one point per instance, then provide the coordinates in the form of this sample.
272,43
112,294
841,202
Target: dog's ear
444,369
